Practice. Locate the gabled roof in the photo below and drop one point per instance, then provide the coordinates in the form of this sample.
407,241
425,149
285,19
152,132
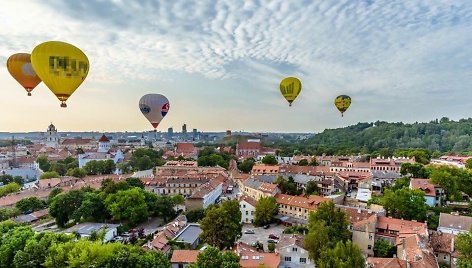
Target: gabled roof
291,240
184,256
424,185
245,145
386,263
249,200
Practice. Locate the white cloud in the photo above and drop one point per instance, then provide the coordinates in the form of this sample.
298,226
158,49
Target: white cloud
368,49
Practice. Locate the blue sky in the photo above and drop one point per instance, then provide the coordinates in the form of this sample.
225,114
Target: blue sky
220,62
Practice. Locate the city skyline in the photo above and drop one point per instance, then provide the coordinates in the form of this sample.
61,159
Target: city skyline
220,63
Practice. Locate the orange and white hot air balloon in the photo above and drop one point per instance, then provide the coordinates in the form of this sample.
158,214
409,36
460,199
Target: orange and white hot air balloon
19,66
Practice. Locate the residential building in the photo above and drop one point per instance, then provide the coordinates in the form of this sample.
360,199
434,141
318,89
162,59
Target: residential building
182,258
443,247
160,241
386,263
389,164
363,234
186,149
86,230
250,257
75,143
417,251
454,224
432,193
292,251
247,205
265,170
205,195
298,207
190,235
184,185
257,189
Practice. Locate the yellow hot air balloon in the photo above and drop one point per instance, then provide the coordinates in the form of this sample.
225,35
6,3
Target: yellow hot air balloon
342,102
290,87
61,66
19,66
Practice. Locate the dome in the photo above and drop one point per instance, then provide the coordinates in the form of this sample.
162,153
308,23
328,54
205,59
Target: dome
51,127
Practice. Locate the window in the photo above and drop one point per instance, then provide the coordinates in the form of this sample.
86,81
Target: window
369,247
445,257
244,206
252,212
294,249
288,259
181,266
370,237
302,260
247,212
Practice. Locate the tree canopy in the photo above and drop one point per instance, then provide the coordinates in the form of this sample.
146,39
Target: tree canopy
266,210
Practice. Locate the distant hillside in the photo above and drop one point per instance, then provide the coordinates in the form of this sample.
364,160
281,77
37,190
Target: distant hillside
381,137
438,135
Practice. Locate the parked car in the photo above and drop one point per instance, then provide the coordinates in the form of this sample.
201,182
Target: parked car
249,231
273,236
118,238
273,241
266,226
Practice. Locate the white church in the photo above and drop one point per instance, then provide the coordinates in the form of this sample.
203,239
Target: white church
104,152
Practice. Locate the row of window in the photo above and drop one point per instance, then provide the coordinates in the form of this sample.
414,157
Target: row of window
289,259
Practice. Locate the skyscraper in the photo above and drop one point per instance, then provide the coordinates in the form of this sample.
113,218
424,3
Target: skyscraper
170,133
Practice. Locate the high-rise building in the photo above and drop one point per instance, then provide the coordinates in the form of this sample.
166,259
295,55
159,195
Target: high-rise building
170,132
195,134
184,129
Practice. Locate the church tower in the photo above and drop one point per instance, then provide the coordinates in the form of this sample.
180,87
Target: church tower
103,144
52,139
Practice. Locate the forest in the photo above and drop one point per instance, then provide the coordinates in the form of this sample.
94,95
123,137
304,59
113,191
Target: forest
439,135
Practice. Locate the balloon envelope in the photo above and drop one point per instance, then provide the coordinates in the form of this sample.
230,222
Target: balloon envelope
290,87
342,102
154,107
19,66
61,66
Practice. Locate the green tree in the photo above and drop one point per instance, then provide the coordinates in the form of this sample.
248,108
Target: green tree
53,193
92,208
77,172
30,204
135,182
313,162
468,163
463,246
64,206
12,187
383,249
403,182
8,213
49,175
271,247
13,241
246,165
211,257
311,188
128,205
316,239
266,210
6,179
59,168
303,162
344,255
221,226
453,180
269,160
36,249
414,170
43,163
287,186
195,215
405,204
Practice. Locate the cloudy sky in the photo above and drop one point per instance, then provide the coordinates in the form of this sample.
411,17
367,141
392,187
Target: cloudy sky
220,62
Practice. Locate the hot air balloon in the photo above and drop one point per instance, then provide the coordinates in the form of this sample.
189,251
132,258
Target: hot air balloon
19,66
342,102
290,87
154,107
61,66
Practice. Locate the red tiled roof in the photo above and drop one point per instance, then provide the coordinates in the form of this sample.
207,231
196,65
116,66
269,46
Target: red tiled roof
423,185
310,202
185,148
103,138
249,200
76,141
251,258
401,225
386,263
245,145
184,256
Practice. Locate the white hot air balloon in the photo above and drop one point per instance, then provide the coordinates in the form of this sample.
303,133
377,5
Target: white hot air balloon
154,107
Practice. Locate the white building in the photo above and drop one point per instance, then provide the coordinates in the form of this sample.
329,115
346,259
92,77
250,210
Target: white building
103,153
247,205
292,252
86,230
52,139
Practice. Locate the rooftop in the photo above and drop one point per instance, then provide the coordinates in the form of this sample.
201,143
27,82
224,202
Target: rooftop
189,234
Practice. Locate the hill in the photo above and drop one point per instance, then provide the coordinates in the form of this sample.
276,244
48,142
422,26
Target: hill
385,138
